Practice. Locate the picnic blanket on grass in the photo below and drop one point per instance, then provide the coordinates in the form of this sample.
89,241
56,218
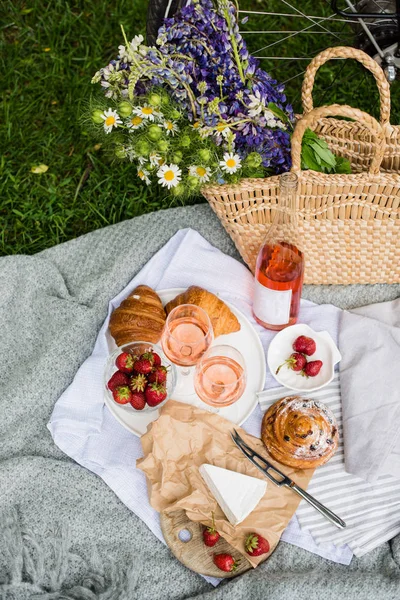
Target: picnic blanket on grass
63,532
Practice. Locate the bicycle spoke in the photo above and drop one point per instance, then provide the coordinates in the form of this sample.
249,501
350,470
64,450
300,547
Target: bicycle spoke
281,31
367,30
283,57
318,23
294,77
297,33
293,15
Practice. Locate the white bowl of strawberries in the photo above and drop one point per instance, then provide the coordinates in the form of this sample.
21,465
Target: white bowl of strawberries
139,376
303,359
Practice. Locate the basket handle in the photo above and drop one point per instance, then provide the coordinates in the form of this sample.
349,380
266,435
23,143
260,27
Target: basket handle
311,119
360,56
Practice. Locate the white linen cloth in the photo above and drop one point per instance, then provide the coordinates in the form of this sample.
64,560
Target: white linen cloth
82,426
370,382
371,511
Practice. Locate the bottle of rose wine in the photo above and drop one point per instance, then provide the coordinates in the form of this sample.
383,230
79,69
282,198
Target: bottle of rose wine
280,263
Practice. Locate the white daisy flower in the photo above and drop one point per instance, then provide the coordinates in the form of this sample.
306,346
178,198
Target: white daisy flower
169,175
196,125
222,129
155,159
171,127
202,173
111,119
146,112
231,162
135,122
144,175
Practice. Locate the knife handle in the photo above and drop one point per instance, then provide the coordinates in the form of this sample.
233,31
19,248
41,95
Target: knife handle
328,514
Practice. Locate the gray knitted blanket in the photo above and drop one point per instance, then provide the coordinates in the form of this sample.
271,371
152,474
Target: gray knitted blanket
63,532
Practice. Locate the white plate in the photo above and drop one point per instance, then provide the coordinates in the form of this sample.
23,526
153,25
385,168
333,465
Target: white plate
246,341
281,348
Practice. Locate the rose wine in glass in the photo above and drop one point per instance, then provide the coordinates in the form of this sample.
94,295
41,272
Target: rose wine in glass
220,377
187,335
280,264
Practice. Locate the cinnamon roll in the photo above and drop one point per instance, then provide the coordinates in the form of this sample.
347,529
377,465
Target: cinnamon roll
300,432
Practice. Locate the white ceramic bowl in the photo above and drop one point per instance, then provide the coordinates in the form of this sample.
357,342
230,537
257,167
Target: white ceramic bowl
138,348
281,348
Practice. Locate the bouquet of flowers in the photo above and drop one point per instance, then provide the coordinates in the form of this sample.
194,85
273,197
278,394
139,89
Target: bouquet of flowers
197,107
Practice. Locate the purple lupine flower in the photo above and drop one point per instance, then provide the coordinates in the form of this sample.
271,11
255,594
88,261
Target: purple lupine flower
196,48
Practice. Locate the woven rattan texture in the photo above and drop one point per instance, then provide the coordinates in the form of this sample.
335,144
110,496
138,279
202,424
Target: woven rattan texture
352,139
346,236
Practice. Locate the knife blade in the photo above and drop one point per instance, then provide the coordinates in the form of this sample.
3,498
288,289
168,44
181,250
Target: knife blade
282,480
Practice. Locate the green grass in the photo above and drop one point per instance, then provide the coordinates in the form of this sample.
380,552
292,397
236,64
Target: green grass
50,50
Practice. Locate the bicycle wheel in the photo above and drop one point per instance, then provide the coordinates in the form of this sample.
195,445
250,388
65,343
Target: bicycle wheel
288,33
157,11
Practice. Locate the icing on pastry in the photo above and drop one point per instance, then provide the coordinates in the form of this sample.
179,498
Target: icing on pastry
300,432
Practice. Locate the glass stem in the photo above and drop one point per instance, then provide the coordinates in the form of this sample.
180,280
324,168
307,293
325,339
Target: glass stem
185,371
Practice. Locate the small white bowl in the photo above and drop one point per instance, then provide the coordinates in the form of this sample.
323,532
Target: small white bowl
281,348
138,348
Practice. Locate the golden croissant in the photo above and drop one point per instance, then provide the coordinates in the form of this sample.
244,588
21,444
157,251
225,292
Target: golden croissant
140,317
222,318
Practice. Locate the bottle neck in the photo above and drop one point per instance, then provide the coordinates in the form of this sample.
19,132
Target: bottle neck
284,226
287,204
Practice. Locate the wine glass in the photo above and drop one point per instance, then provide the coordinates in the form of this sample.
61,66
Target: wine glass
187,335
220,377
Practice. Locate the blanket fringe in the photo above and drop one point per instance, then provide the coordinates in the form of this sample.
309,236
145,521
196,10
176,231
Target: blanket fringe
36,567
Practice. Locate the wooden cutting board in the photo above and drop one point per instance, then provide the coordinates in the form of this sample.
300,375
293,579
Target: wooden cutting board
193,553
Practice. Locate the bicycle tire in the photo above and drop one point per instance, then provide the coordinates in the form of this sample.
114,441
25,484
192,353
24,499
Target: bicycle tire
157,11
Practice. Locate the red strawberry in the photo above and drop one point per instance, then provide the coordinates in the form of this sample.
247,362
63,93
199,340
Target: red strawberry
138,382
256,545
144,363
118,379
156,359
296,362
155,394
225,562
124,362
312,368
305,345
138,400
158,375
210,534
122,394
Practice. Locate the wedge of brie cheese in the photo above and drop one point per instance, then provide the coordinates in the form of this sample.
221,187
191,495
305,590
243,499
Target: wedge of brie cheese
237,494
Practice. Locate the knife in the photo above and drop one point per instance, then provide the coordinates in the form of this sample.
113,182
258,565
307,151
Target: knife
280,479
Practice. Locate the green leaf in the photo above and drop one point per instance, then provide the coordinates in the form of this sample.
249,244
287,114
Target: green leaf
277,112
342,165
309,134
324,154
39,169
308,159
321,143
317,157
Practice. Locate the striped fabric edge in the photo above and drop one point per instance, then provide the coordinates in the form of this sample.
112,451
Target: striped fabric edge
333,477
375,541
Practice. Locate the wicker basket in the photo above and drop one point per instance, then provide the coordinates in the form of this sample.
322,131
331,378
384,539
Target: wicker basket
349,223
353,140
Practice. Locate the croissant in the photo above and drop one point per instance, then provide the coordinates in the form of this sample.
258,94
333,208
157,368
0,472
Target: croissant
222,318
140,317
300,432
